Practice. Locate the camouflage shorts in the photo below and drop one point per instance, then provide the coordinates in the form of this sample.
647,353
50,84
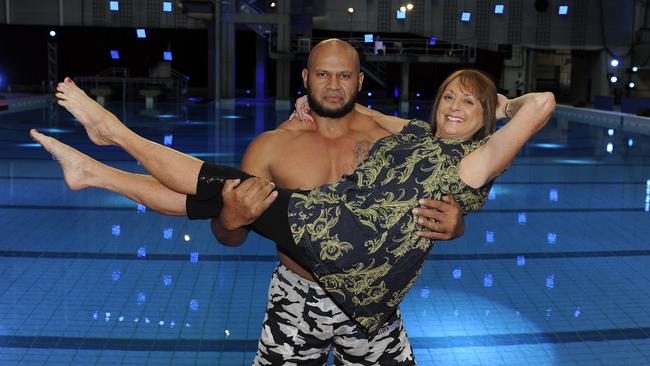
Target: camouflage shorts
302,324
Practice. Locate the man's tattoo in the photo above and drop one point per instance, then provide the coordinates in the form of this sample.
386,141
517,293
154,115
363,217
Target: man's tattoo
361,151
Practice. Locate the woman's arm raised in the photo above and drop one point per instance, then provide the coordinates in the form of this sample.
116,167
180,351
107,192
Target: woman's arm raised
529,113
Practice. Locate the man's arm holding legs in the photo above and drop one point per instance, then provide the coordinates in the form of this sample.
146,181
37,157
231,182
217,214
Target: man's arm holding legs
247,200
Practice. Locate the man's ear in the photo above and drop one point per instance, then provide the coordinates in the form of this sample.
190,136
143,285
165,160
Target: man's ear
361,77
305,77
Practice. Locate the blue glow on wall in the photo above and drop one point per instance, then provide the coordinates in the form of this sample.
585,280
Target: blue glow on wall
550,281
457,273
115,55
499,8
400,15
551,238
167,280
553,195
167,56
647,195
141,33
167,6
194,304
563,10
465,16
368,38
167,233
488,280
168,140
141,298
142,252
521,260
194,257
489,236
116,275
113,6
115,230
521,218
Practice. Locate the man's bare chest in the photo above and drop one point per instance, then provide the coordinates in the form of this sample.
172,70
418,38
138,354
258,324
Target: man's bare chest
319,163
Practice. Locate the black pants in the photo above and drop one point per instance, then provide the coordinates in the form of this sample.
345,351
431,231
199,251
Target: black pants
272,224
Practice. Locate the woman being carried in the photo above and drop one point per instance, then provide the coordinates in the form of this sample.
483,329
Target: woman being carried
371,207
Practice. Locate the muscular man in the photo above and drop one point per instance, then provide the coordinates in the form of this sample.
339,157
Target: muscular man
302,323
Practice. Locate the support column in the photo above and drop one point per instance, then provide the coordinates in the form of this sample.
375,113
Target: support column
214,55
7,12
260,68
61,12
283,63
227,57
404,89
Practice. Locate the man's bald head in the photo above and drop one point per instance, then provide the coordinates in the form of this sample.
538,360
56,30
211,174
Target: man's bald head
334,46
332,78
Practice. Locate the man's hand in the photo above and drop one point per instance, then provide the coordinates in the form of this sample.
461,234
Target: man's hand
244,203
443,219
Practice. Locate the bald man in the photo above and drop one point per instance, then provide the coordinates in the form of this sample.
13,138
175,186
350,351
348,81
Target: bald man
302,323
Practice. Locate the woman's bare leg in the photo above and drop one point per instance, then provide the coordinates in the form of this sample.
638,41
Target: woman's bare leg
175,170
81,171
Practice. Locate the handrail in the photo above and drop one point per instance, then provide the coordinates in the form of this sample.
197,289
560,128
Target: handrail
399,46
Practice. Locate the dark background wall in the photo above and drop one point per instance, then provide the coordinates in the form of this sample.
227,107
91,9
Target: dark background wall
86,51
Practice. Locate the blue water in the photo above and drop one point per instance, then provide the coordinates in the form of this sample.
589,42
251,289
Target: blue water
554,270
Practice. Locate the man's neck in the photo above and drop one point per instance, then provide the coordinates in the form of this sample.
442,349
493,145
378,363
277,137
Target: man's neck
334,127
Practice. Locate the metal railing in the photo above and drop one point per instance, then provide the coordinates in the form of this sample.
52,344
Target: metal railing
115,79
397,46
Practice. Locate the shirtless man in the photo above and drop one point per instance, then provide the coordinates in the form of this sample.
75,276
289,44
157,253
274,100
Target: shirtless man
301,322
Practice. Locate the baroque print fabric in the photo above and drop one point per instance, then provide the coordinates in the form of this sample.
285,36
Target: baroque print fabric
369,277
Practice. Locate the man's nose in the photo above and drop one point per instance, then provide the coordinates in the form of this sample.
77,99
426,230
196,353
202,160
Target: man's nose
333,82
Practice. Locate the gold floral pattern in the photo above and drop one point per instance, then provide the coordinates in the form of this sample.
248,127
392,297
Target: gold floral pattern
359,234
332,249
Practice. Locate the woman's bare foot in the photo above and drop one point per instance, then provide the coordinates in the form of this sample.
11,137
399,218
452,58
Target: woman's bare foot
97,121
77,167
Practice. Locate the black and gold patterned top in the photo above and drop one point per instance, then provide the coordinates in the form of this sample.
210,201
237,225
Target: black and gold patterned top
359,233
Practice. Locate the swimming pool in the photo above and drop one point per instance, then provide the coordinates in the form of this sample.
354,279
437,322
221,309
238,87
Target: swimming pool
554,270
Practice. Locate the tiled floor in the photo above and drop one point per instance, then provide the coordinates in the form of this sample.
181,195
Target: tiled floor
553,271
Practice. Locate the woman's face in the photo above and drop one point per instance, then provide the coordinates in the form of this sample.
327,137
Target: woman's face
460,113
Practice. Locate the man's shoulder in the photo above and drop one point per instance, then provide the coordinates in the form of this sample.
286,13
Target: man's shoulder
296,126
287,132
